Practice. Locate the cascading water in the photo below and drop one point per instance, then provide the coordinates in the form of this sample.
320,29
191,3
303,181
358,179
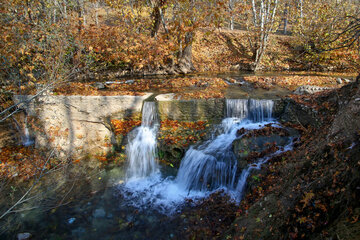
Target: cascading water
213,164
260,110
141,150
206,167
26,139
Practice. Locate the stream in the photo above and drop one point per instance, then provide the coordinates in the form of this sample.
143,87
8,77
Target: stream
142,199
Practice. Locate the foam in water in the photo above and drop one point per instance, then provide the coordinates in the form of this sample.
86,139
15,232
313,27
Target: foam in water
205,168
141,150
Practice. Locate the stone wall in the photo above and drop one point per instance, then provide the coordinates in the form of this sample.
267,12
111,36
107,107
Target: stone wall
212,110
77,125
80,125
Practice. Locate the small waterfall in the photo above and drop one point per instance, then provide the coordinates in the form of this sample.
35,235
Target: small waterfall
252,109
213,164
210,166
25,138
141,150
260,110
206,167
237,108
149,115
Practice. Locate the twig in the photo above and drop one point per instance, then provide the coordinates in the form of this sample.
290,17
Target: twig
22,199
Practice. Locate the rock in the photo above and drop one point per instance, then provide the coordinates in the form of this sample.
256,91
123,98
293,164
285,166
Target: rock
298,113
235,67
244,147
130,81
346,124
99,213
339,81
165,97
307,89
24,236
99,85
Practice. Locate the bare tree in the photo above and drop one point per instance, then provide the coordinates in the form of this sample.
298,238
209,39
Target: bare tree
263,23
231,12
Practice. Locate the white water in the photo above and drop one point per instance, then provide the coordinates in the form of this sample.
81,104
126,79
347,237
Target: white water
26,139
141,150
205,168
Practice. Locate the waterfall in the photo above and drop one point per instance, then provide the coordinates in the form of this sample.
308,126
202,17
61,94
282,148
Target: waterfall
253,109
213,164
210,165
237,108
141,149
260,110
26,139
206,167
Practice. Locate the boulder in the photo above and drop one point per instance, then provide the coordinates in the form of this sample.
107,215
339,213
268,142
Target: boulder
244,148
24,236
297,113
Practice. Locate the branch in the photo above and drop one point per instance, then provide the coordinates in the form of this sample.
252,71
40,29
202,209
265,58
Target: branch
22,199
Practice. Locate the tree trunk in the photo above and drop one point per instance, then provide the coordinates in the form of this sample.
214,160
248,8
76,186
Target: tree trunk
156,21
185,55
163,21
285,18
231,9
97,12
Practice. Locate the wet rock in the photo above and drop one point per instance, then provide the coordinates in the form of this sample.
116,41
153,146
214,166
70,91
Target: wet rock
247,148
211,110
24,236
99,213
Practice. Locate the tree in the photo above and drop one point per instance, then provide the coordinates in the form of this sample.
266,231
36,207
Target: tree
262,22
320,27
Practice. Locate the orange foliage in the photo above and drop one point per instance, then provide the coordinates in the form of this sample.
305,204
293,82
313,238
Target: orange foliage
124,126
292,82
186,88
116,46
182,133
21,162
